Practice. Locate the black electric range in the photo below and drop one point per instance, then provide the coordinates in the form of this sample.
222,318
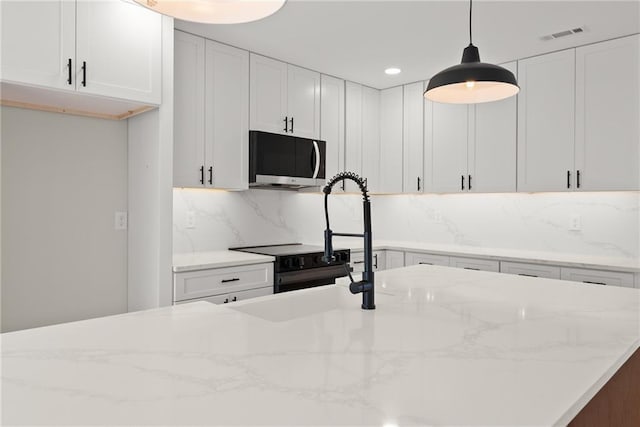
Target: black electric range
299,266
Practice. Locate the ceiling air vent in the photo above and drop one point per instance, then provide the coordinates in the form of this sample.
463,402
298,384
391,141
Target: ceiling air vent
564,33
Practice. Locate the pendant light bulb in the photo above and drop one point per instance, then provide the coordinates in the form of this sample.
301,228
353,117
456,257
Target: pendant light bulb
215,11
471,81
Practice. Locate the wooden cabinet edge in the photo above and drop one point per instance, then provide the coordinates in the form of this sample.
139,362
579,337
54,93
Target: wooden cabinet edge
72,111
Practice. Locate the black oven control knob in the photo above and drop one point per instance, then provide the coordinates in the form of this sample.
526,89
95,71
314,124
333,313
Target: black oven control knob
300,262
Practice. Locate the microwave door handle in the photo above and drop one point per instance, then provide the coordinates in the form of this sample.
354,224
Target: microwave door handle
316,168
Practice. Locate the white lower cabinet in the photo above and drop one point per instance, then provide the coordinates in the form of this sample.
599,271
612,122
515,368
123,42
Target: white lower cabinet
394,259
597,277
475,264
415,258
531,270
215,284
357,261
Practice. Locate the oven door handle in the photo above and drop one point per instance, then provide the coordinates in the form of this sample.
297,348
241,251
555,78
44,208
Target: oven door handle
316,168
329,272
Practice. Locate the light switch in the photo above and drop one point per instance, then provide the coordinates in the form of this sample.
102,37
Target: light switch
575,223
120,222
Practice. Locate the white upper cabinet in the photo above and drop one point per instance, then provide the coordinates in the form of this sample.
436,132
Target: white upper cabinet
362,130
608,115
413,136
211,123
492,146
188,111
391,140
118,50
332,125
227,116
546,122
109,48
450,130
285,99
38,41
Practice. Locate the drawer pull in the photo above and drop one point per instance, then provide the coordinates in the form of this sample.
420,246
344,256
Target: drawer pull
226,300
235,299
593,283
527,275
358,262
471,268
235,279
425,263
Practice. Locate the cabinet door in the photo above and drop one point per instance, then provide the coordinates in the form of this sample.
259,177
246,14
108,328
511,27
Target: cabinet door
492,148
413,128
227,116
391,140
449,148
394,259
371,137
188,110
597,277
415,258
546,122
120,45
303,102
268,95
357,261
353,133
475,264
38,40
332,124
608,114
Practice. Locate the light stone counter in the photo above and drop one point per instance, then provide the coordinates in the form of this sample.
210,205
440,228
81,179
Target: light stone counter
216,259
535,257
444,346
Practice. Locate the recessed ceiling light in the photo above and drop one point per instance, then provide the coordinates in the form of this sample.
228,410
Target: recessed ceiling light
393,71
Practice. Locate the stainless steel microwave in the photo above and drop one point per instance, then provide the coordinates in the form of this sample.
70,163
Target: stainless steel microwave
282,161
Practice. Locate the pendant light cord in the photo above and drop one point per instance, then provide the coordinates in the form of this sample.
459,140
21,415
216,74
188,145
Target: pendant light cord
470,10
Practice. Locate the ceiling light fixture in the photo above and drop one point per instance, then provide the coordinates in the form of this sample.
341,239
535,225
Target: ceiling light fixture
392,71
215,11
471,81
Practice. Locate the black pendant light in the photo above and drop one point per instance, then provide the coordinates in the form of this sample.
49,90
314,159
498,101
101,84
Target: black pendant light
471,81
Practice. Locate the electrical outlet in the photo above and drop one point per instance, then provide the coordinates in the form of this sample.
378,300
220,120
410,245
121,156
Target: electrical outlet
191,219
575,223
120,221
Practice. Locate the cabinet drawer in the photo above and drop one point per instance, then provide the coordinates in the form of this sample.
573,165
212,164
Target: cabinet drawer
232,297
216,299
475,264
598,277
357,261
414,258
532,270
205,283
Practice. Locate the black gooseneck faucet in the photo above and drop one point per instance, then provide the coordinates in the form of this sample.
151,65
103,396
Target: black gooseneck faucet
366,285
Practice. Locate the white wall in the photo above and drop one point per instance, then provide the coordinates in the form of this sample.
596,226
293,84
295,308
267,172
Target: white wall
535,222
63,178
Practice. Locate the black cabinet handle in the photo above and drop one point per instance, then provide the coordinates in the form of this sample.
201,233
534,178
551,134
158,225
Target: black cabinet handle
418,183
425,263
358,262
226,300
375,264
286,120
469,182
594,283
343,185
471,268
84,73
568,179
462,182
211,175
235,279
70,71
527,275
235,299
201,174
578,179
291,121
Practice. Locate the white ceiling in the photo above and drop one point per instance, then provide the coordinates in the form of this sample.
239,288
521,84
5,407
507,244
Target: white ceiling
357,40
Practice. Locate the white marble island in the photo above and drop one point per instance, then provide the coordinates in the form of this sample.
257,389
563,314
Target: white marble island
444,346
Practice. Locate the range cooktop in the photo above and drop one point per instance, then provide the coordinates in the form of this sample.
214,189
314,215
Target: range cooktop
281,250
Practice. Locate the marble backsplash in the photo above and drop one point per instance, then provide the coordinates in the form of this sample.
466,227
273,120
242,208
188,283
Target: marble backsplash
608,221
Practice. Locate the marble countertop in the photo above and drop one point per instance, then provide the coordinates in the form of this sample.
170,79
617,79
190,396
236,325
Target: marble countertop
515,255
444,346
215,259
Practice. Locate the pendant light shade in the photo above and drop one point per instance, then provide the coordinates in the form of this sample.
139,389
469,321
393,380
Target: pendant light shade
471,81
215,11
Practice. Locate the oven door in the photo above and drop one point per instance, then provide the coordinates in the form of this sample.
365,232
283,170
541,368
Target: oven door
302,279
